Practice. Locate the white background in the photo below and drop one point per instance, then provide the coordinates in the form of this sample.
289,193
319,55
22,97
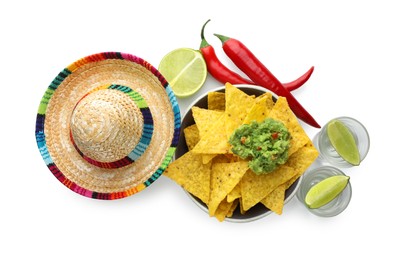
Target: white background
360,50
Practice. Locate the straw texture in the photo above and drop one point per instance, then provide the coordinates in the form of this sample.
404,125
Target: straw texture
108,125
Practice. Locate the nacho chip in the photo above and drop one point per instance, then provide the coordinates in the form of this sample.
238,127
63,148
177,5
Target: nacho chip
255,187
215,141
232,208
301,160
191,136
205,119
235,193
216,101
269,101
223,210
224,177
238,104
221,158
275,200
282,112
258,111
206,158
189,172
242,211
225,158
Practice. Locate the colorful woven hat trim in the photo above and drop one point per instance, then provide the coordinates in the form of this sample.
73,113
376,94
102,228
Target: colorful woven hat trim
41,115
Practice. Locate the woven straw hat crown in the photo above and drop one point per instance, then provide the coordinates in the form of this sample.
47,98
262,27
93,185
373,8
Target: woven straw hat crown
105,126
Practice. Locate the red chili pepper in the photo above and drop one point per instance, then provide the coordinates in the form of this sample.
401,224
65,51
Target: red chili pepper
246,61
293,85
216,68
223,74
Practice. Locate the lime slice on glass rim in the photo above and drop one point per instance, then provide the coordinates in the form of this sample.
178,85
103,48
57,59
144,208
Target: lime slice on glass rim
325,191
343,142
185,70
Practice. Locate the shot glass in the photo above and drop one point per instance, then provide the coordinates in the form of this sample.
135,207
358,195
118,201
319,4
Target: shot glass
314,176
329,154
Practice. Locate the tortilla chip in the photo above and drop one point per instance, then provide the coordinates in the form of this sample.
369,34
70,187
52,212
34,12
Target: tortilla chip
282,112
225,158
275,200
269,101
205,119
191,136
216,101
242,211
215,141
232,208
235,193
206,158
224,177
221,158
191,174
255,187
258,111
301,160
238,104
223,210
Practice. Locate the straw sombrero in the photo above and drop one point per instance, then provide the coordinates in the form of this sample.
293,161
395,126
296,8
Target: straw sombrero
108,125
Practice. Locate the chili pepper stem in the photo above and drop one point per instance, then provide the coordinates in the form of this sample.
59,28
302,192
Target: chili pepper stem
222,37
204,43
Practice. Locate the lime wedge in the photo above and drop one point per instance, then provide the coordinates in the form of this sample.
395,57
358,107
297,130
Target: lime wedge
185,70
343,142
325,191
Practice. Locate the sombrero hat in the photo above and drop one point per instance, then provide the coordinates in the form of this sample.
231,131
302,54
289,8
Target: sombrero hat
108,125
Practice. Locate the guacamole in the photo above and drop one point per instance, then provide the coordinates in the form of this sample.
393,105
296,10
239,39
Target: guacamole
265,144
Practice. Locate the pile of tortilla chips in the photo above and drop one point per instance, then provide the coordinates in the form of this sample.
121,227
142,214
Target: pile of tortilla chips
220,179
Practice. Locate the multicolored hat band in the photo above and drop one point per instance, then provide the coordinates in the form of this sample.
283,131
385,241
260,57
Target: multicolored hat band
108,125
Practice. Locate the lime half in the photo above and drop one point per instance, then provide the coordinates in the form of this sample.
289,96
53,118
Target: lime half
343,142
185,70
325,191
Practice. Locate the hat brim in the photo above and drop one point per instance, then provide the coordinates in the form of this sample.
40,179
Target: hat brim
53,133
